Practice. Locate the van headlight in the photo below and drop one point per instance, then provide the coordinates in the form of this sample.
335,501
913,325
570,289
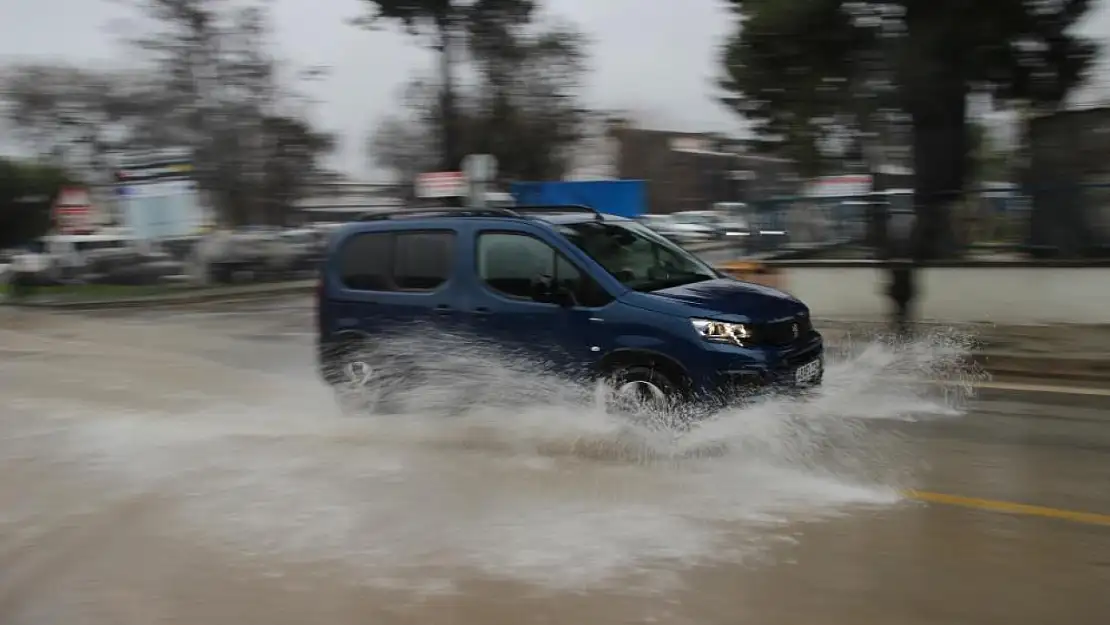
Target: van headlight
723,332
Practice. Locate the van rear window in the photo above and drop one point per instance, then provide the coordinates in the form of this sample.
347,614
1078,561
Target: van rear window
397,261
422,260
365,262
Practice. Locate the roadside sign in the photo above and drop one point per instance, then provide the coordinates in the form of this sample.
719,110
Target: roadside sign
158,196
73,211
441,184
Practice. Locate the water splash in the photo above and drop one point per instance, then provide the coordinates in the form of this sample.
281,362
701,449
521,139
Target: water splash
487,468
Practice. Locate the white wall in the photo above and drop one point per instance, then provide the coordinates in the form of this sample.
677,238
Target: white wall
1010,295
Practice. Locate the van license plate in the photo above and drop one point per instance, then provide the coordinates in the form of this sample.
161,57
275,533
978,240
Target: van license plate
807,372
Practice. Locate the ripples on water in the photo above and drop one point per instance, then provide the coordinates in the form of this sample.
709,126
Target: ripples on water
526,480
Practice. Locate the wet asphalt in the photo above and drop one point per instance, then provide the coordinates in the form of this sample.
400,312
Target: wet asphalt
997,512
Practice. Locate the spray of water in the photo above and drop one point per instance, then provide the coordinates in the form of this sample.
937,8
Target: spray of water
502,398
483,467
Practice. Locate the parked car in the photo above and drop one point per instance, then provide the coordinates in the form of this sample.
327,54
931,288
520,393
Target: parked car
264,252
709,221
663,224
682,231
658,223
595,296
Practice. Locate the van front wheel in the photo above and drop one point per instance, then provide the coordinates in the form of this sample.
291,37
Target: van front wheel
643,390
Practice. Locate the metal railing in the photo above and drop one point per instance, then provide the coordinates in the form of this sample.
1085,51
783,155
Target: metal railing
1068,221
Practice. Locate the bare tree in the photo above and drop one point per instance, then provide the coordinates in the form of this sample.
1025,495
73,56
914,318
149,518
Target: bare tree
212,84
70,115
403,147
523,110
449,27
225,96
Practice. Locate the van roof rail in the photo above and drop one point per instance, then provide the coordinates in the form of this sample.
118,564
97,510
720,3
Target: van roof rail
437,212
558,208
516,211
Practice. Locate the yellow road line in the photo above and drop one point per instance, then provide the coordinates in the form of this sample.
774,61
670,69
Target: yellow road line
1009,507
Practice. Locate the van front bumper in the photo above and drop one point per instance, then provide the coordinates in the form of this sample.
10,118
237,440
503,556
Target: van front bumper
744,371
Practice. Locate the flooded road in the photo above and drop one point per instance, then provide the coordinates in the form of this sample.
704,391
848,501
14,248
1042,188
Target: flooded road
187,467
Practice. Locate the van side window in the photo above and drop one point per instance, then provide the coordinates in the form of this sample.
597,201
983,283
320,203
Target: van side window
509,262
422,260
364,262
586,291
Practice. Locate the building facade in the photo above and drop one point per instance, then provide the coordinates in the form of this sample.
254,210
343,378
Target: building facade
692,171
1068,180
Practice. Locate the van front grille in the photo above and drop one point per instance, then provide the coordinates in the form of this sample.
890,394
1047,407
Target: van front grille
784,332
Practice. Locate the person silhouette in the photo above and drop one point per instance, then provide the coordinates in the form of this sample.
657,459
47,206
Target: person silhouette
902,288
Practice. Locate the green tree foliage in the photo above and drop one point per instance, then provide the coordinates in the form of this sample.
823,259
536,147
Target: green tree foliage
787,70
987,162
799,68
525,112
27,190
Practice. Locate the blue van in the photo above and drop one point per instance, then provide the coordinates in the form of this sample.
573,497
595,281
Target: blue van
602,296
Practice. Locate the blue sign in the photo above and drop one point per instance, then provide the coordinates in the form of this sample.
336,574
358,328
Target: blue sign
625,198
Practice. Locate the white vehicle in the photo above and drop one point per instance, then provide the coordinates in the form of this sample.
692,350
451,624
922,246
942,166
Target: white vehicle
671,228
693,226
659,223
75,248
259,250
111,255
732,219
67,255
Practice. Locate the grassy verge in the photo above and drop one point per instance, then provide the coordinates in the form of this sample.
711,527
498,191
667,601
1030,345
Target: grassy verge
108,295
83,292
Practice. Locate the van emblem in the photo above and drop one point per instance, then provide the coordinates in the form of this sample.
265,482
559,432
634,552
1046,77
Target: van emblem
794,329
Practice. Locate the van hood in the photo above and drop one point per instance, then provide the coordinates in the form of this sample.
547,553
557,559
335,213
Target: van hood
724,299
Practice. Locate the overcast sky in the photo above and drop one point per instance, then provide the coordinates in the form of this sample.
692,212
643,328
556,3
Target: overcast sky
657,58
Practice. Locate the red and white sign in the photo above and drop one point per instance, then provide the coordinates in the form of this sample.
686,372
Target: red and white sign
839,186
73,211
441,184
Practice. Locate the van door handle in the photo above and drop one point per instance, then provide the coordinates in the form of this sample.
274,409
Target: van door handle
442,309
483,311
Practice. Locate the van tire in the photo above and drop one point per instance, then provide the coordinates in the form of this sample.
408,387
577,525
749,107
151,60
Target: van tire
646,387
351,400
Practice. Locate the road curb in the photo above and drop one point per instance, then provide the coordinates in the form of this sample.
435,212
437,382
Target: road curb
1039,366
1007,391
998,360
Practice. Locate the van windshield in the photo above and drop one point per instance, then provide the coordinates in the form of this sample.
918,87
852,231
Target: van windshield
634,254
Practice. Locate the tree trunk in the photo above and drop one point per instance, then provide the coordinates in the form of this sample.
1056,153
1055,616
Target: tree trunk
937,92
450,159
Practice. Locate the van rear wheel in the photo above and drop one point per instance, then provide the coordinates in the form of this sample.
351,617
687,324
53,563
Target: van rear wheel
353,380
